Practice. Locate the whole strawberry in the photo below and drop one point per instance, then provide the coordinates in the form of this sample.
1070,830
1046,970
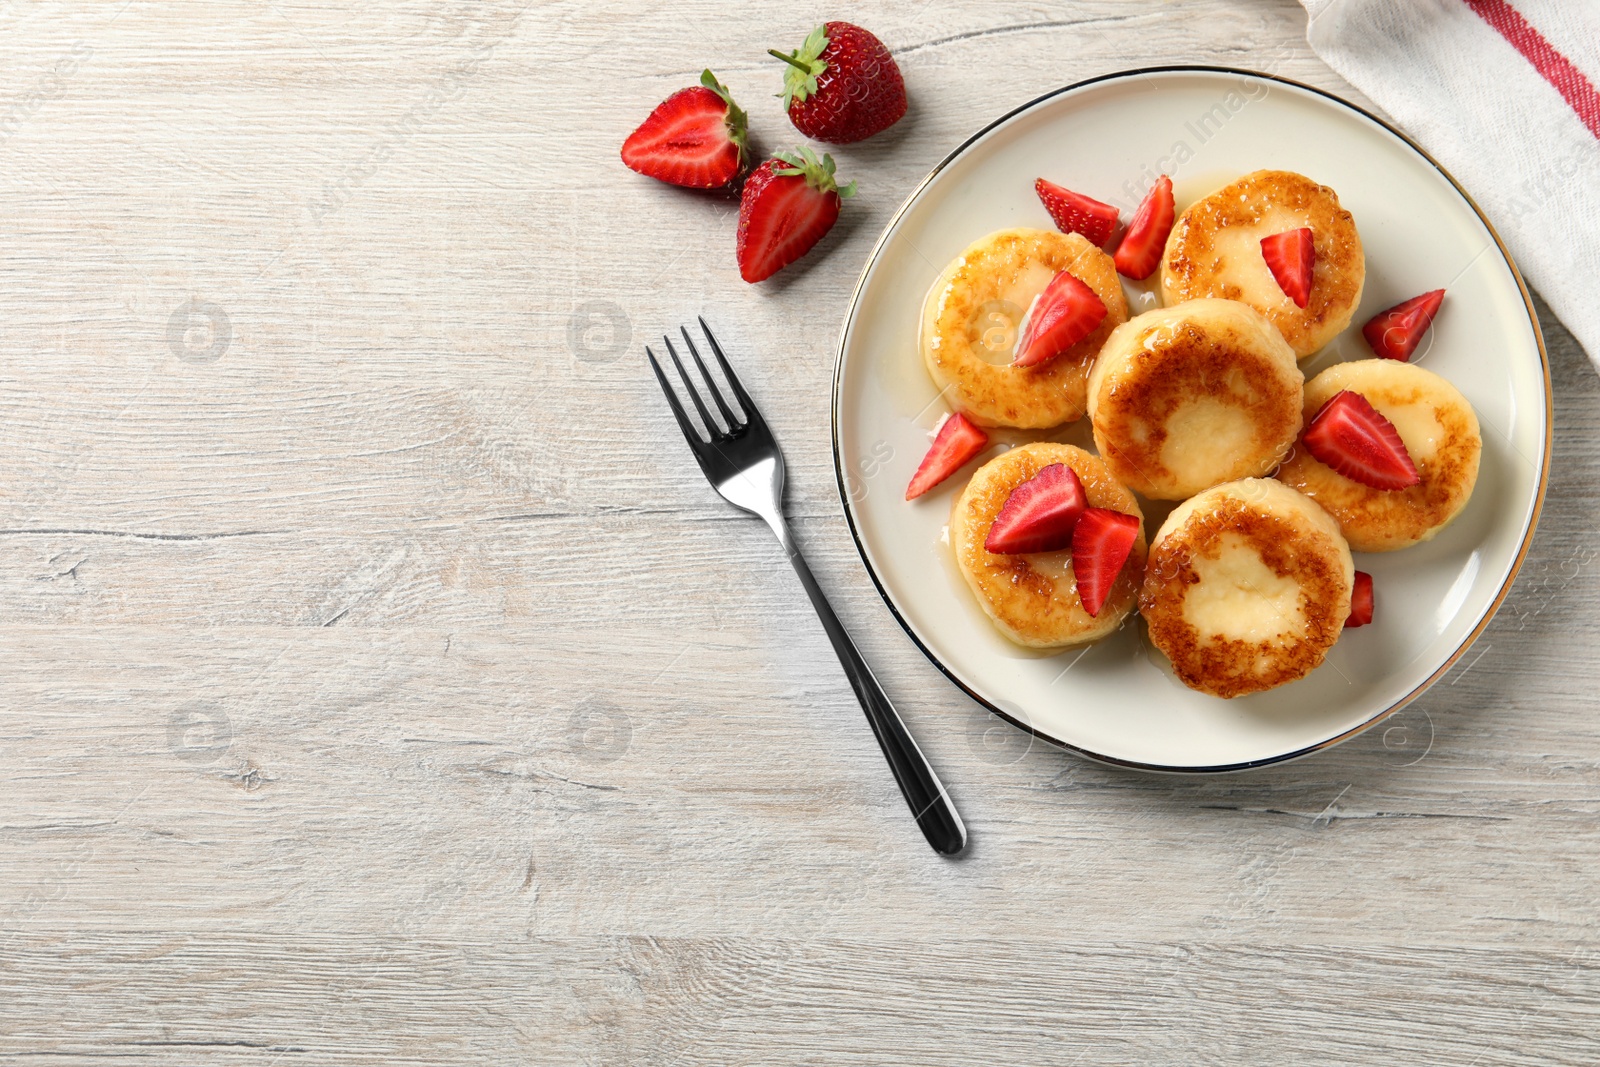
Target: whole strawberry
788,203
694,138
842,85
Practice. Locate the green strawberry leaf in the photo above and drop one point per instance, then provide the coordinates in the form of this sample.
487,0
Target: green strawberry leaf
818,173
737,121
805,66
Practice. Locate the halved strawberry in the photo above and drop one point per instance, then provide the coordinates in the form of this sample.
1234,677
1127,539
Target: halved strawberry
1360,601
788,203
1061,316
1076,213
1396,333
1100,545
1353,437
1291,256
694,138
1039,514
957,441
1140,251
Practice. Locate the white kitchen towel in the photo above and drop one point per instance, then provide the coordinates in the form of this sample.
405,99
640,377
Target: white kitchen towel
1503,94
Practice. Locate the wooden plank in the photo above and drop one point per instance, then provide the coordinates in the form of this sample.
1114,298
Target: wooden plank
238,999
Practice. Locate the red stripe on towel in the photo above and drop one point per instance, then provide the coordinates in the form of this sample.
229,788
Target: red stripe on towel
1554,67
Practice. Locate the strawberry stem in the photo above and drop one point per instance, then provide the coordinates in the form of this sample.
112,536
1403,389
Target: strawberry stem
791,60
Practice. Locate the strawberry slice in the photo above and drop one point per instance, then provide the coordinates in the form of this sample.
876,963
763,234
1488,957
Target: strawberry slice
1061,316
788,204
1353,437
1140,251
1291,256
957,441
1039,514
1076,213
1396,333
1360,601
1100,545
694,138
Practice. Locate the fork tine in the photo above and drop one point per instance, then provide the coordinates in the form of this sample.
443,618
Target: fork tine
712,429
672,398
716,394
749,406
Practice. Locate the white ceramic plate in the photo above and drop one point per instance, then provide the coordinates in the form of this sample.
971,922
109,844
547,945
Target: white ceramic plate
1118,701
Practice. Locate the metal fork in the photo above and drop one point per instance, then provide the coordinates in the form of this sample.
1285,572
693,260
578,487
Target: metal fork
743,463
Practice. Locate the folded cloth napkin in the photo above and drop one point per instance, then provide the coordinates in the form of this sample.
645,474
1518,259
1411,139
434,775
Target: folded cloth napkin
1503,94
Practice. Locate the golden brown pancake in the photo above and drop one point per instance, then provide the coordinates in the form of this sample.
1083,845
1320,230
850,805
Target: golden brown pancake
1247,587
971,318
1440,432
1033,598
1194,395
1215,250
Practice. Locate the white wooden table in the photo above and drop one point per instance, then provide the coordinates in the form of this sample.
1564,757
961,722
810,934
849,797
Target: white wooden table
383,684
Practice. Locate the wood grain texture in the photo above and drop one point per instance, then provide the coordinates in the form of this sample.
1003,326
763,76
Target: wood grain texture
383,684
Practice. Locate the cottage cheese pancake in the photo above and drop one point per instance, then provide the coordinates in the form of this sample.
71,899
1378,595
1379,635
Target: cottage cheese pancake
1190,396
1033,598
1247,587
1440,432
971,317
1215,250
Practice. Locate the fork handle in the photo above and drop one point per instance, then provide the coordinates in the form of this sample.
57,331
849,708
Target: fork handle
930,804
